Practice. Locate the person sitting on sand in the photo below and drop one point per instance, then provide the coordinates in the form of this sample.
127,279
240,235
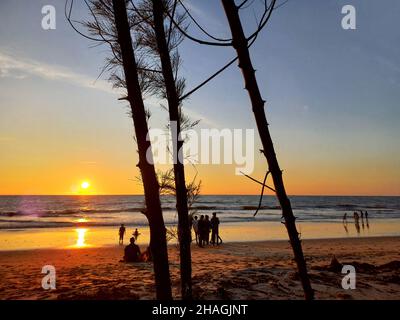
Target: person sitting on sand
136,234
146,256
214,229
196,229
132,252
121,234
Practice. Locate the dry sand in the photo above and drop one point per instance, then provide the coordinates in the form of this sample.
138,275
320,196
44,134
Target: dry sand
248,270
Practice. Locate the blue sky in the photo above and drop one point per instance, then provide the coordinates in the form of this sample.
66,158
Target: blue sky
333,95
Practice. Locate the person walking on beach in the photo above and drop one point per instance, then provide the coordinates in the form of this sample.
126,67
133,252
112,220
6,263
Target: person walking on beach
196,229
207,229
136,234
345,222
214,229
366,218
362,219
122,231
356,221
132,252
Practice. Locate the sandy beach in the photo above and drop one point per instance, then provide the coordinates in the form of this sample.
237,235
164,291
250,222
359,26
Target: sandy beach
246,270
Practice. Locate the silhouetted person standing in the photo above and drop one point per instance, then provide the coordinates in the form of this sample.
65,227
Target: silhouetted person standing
196,229
122,231
214,229
207,227
190,226
201,228
362,219
132,252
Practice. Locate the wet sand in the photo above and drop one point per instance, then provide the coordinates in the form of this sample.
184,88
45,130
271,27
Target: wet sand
84,235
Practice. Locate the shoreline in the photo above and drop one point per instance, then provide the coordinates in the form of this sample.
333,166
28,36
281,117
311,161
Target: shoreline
252,231
194,245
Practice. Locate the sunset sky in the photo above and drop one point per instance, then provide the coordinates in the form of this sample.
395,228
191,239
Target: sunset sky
333,102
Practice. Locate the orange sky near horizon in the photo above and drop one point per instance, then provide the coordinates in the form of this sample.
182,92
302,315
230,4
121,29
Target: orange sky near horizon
36,163
46,178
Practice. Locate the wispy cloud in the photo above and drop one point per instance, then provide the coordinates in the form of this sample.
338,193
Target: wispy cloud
89,163
21,68
154,104
203,119
207,18
390,67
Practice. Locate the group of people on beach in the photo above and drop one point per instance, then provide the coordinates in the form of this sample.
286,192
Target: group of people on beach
356,218
203,227
132,251
122,231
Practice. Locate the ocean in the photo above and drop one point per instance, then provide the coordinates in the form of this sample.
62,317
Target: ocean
30,212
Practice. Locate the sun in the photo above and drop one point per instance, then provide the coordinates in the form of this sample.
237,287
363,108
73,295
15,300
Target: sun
85,185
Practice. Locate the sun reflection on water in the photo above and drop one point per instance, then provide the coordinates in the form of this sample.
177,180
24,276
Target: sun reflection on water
81,240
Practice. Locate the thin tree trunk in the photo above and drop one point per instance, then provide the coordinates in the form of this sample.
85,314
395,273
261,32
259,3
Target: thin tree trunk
241,45
179,170
158,241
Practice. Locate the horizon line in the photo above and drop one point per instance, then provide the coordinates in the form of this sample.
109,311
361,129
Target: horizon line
207,194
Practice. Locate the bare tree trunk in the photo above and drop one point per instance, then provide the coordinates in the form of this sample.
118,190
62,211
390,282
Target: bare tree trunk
158,242
240,43
179,170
